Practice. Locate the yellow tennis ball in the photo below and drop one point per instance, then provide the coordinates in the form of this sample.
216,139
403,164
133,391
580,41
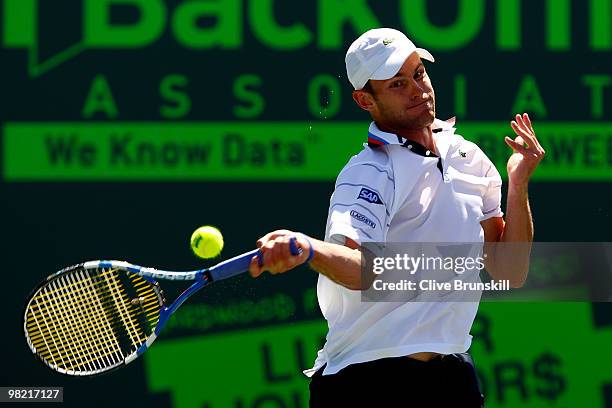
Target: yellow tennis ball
206,242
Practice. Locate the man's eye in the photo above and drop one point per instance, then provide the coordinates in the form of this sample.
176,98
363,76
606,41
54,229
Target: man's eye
419,74
396,84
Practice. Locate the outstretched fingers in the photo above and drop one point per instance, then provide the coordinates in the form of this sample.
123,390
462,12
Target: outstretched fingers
523,127
516,146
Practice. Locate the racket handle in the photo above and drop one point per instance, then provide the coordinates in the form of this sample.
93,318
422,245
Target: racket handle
240,264
232,267
294,248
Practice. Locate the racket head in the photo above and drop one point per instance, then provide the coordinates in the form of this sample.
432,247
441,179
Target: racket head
91,318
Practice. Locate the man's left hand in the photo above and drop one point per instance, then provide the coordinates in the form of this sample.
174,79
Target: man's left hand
527,151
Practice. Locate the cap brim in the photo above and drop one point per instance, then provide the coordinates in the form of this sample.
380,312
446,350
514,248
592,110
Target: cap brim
395,62
426,55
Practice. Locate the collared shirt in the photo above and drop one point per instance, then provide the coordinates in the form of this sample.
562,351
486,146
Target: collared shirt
395,190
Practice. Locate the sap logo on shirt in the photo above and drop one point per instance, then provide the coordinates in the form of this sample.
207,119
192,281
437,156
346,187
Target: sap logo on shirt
363,218
369,196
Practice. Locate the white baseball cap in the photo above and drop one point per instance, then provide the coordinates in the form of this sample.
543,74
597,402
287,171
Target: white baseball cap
378,54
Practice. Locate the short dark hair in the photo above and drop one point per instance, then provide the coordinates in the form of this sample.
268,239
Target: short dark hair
368,88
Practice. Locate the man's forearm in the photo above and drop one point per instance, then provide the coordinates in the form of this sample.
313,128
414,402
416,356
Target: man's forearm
338,262
514,247
519,224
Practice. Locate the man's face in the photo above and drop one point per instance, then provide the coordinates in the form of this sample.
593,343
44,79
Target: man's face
404,102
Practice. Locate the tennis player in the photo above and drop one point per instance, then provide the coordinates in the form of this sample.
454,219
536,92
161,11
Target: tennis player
414,181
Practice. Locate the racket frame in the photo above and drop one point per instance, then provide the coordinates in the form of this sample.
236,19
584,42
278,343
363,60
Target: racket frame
202,277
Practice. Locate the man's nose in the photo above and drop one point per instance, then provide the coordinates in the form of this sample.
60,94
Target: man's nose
417,91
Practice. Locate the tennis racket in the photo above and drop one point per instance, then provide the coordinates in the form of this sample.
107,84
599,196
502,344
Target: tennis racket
97,316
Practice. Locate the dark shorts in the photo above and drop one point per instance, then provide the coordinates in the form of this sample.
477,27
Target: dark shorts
445,381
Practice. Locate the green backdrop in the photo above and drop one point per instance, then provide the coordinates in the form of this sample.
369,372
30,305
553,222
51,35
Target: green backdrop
127,123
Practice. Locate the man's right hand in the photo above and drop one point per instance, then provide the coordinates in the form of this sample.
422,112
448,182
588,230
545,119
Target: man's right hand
277,256
340,263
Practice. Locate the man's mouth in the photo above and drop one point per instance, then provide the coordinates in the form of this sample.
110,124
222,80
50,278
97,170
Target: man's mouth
420,104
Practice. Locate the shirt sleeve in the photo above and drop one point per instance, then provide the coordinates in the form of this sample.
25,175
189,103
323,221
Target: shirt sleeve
361,203
491,201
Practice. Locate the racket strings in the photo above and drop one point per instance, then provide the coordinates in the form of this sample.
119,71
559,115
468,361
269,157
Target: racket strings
78,289
148,300
64,333
79,325
85,320
151,311
51,339
79,328
75,287
95,334
99,329
137,336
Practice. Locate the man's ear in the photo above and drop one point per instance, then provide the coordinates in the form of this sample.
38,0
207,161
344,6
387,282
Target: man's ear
364,100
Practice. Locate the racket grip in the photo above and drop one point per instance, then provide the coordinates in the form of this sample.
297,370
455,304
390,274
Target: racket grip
294,248
240,264
232,267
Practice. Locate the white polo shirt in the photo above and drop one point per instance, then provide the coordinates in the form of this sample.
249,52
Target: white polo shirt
396,191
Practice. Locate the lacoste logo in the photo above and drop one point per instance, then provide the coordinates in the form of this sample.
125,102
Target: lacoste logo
462,154
388,41
362,218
